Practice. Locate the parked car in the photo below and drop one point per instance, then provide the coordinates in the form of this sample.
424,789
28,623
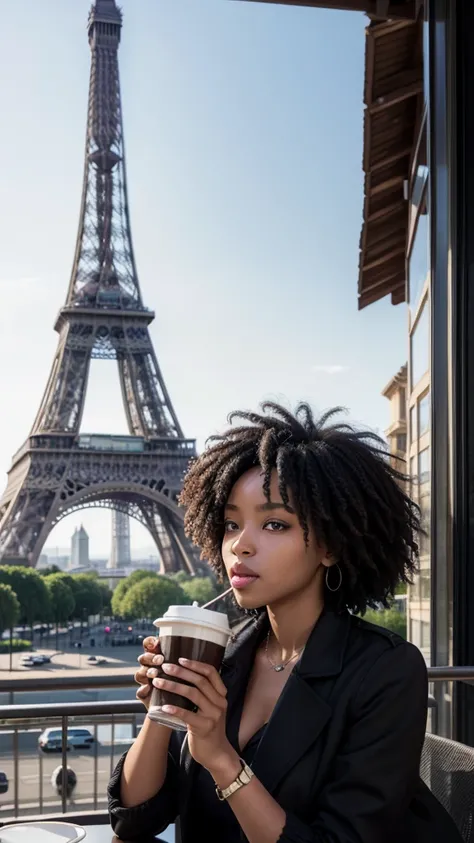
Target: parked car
34,660
77,738
96,660
3,782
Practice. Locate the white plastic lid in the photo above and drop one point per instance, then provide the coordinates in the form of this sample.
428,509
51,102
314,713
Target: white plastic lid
195,616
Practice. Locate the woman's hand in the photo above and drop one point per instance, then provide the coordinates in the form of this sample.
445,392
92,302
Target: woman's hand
150,661
208,743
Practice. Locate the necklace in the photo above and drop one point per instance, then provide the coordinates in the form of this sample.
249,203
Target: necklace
281,665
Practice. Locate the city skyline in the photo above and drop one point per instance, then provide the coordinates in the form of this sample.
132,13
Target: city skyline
245,226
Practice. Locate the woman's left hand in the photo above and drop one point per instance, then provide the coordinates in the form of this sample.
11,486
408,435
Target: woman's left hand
207,739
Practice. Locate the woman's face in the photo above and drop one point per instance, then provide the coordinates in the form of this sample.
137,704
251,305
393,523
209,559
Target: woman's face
264,551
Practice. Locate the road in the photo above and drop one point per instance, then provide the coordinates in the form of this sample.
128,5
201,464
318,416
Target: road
35,792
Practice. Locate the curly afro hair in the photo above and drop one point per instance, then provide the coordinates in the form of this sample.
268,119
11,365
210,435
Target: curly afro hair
342,486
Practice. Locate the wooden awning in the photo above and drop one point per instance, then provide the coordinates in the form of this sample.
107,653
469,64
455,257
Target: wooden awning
384,9
393,98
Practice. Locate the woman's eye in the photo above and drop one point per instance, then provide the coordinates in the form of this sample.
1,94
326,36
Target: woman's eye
275,526
230,526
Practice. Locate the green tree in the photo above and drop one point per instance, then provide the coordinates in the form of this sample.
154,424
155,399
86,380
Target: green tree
200,589
150,598
61,597
30,590
87,594
125,585
180,577
106,597
389,618
9,608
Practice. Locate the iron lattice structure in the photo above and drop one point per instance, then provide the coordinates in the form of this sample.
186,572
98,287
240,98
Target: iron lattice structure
120,556
57,470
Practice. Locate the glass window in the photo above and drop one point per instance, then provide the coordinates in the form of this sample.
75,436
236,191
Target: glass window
425,585
425,635
415,632
424,414
418,264
401,443
424,467
425,518
420,346
426,64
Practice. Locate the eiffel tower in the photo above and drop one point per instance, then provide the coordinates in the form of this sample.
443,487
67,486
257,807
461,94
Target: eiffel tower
58,470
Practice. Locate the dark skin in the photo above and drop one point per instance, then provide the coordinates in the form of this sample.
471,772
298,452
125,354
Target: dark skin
267,539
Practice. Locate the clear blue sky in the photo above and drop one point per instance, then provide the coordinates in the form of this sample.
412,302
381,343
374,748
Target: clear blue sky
243,127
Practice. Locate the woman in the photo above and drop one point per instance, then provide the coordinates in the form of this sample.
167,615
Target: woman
313,730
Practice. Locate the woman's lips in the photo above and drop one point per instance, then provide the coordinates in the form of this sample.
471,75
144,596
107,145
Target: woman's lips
241,581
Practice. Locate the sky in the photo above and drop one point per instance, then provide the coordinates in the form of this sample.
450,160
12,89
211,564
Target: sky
243,131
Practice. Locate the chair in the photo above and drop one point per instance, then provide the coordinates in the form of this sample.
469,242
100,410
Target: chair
447,768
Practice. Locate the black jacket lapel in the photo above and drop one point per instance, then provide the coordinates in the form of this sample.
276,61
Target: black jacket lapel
301,713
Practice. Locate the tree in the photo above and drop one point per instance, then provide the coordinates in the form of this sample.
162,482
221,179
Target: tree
87,594
180,577
200,589
125,585
106,597
150,598
389,618
61,597
9,608
30,590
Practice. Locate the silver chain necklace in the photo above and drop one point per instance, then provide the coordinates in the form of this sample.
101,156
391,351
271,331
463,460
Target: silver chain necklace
281,665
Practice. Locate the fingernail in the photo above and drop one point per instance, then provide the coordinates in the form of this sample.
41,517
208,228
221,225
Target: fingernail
169,668
157,659
183,661
157,683
152,672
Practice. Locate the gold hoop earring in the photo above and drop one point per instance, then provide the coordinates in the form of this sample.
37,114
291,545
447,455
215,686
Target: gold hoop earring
327,578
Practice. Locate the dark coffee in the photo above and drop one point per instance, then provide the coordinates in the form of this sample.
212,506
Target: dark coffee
174,647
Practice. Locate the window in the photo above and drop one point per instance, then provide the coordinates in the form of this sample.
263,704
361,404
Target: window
424,414
401,443
425,585
415,632
424,467
418,263
425,518
420,346
425,635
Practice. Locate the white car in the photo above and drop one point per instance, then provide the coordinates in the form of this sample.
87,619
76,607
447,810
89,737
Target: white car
77,738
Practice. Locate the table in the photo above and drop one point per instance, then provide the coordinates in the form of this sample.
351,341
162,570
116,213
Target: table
104,834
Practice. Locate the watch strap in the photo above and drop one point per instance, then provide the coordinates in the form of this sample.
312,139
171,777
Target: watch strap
242,779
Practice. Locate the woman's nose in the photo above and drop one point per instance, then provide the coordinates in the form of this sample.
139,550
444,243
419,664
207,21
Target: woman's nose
243,546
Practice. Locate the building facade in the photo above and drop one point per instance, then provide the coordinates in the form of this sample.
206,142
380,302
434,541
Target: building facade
80,548
417,247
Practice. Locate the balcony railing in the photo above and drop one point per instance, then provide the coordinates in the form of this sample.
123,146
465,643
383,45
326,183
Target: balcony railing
113,726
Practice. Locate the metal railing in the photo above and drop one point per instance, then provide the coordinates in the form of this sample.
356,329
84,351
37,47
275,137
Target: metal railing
19,720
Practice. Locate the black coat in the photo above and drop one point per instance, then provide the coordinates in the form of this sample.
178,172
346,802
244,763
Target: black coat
341,752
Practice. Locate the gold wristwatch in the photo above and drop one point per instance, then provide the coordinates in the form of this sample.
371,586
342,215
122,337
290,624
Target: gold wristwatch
242,779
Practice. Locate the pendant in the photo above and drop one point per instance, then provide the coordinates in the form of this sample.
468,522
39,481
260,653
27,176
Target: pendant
278,667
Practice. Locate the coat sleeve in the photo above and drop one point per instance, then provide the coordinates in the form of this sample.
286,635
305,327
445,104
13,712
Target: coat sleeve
376,771
154,815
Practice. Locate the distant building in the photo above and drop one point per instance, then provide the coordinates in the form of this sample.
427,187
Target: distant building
80,548
396,433
120,550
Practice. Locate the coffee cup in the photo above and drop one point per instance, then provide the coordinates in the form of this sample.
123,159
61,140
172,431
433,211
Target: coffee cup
192,633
